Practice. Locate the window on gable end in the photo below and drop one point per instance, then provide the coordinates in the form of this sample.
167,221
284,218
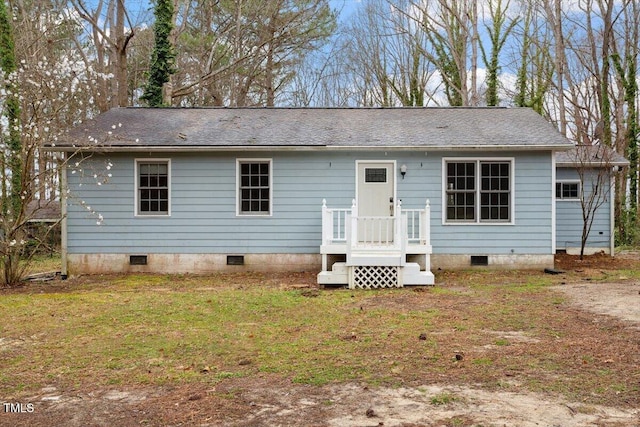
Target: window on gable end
153,187
254,186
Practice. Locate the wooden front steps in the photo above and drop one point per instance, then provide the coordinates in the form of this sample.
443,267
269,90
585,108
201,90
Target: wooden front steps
376,249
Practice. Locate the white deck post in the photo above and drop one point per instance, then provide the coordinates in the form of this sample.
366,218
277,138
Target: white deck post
327,231
402,233
398,238
354,223
327,223
425,224
351,235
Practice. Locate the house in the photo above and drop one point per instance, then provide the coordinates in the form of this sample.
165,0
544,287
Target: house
43,211
370,197
579,172
43,225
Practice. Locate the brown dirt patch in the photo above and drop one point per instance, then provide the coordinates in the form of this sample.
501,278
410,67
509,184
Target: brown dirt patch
270,401
619,298
623,260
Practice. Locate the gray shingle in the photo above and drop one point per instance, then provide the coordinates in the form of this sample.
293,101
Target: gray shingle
435,128
43,211
590,155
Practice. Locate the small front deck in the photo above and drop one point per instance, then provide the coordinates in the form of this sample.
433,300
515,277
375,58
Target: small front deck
375,252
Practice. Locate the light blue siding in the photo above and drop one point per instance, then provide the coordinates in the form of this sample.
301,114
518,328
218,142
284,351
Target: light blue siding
569,218
530,232
203,204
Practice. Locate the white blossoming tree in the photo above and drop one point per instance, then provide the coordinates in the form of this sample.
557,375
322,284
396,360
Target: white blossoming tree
45,89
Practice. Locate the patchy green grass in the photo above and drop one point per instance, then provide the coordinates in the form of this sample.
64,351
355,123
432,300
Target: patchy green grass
443,399
624,274
177,329
123,335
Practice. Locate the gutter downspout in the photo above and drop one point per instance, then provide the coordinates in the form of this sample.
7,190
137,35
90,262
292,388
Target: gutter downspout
612,199
62,165
553,203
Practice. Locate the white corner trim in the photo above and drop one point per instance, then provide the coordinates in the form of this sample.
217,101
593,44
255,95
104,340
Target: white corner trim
553,202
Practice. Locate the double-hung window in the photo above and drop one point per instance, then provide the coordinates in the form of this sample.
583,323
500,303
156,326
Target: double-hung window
478,191
461,191
152,187
254,186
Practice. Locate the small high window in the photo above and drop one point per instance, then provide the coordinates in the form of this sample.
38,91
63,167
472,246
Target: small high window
567,190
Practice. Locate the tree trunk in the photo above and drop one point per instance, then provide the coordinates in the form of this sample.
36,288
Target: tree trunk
475,39
554,15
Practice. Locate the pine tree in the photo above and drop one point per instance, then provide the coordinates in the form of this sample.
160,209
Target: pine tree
11,201
11,229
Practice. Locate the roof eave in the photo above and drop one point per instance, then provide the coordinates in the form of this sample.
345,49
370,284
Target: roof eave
593,164
228,148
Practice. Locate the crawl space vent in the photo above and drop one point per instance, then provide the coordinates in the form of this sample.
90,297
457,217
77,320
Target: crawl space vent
235,259
479,260
137,260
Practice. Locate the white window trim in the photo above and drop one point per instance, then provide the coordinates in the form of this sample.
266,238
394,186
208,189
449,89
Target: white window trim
136,207
478,160
239,213
567,181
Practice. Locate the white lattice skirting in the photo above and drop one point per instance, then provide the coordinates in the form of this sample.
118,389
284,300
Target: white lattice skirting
372,277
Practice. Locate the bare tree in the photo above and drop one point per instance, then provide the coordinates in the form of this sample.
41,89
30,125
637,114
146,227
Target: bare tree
534,59
594,165
243,52
625,60
449,27
597,104
498,33
111,30
53,89
321,81
553,9
382,52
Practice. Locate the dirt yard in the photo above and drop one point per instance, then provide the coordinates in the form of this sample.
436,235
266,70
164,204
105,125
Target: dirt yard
267,400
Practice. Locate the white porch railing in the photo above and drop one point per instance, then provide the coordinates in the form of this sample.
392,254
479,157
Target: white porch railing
374,230
344,226
334,223
418,230
375,252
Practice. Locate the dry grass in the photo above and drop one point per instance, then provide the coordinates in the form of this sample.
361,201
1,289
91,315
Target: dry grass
506,330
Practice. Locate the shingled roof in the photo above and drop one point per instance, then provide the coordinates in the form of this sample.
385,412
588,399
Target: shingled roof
590,156
44,211
164,129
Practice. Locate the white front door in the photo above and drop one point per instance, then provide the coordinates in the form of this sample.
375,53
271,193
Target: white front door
376,201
